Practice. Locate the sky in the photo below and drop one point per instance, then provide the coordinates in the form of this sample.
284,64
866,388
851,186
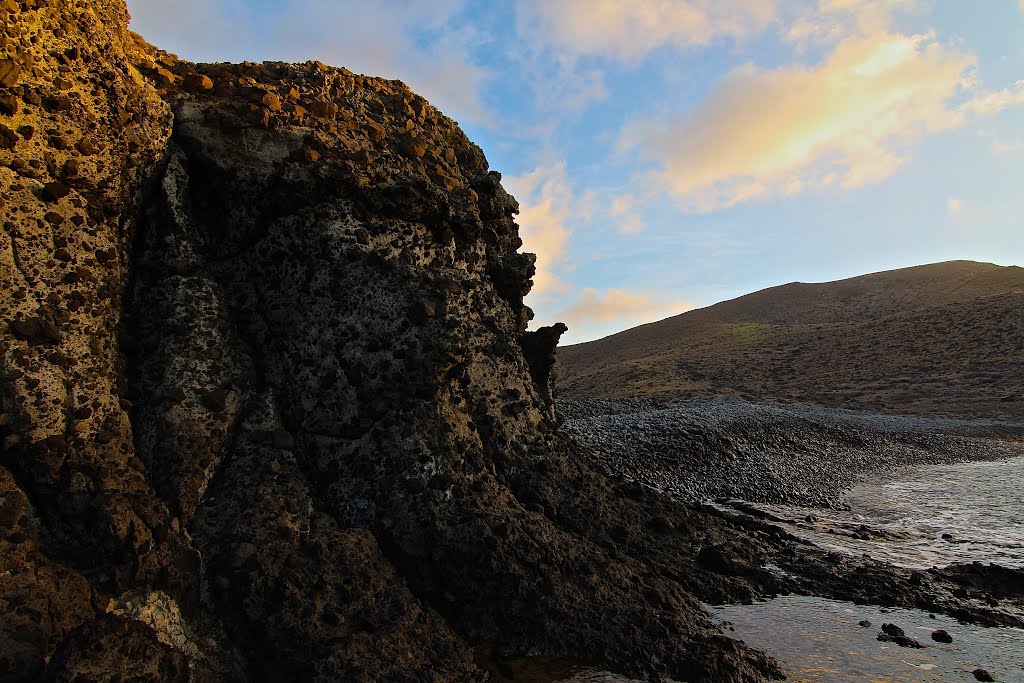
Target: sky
670,154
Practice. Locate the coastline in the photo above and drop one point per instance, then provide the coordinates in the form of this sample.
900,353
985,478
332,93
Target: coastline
696,451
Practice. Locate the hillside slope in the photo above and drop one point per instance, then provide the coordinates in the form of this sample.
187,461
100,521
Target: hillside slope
944,338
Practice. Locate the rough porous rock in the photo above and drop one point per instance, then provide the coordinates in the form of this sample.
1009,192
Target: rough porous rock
268,404
269,408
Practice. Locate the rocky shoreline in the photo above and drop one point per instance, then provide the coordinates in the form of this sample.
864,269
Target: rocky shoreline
698,450
270,410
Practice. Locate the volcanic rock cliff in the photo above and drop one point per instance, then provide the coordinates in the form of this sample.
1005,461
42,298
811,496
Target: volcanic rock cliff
268,405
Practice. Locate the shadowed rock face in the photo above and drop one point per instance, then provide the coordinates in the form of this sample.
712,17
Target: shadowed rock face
269,407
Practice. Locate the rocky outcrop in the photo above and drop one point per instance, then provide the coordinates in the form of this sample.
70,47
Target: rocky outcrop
269,405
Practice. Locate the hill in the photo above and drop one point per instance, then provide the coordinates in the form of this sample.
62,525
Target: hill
945,338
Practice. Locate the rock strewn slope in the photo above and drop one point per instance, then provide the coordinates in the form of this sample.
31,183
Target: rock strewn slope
269,406
943,339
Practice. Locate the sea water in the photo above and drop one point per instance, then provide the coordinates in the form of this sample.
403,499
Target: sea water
821,641
931,516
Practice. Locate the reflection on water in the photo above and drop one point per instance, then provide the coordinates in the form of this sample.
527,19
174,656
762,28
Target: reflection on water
934,516
821,641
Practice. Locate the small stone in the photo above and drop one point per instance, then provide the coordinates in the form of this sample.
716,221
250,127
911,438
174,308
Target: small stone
422,311
196,83
163,77
9,104
307,154
891,633
323,110
271,101
8,138
982,675
60,103
415,147
71,168
11,441
941,636
86,147
865,623
10,70
54,191
375,130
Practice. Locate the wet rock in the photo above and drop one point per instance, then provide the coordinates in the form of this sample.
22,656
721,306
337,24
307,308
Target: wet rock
940,636
865,623
894,634
982,675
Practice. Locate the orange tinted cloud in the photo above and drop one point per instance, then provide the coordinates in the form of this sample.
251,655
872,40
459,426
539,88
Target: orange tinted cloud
545,207
845,122
630,29
616,309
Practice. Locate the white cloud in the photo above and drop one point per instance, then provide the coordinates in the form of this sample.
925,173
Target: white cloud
546,207
615,309
834,20
956,206
847,121
630,29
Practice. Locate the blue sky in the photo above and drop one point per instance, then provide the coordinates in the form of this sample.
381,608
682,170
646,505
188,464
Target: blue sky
669,154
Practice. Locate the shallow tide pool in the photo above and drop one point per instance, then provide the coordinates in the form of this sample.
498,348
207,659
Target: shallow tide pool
820,641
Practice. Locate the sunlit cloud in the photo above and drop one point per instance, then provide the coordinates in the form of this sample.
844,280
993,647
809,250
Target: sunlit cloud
848,121
833,20
615,309
956,206
630,29
546,205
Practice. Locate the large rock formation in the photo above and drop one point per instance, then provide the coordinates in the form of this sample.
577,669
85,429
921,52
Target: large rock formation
268,404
